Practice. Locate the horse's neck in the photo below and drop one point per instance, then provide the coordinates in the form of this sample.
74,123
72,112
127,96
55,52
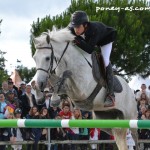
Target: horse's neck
82,81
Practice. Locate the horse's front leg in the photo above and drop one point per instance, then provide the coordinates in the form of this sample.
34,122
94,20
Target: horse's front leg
120,138
55,100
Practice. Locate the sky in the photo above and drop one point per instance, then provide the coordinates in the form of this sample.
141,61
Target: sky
18,16
137,81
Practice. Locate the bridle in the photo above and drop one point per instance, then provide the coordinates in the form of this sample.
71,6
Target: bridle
50,69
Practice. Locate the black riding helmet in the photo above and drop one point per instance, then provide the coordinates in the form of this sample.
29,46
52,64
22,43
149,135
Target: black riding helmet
78,18
18,111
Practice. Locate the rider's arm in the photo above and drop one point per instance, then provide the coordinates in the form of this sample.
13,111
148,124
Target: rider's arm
88,47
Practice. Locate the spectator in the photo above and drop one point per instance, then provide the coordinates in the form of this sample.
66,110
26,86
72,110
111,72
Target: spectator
84,132
130,141
17,134
105,136
7,131
143,90
53,112
144,96
5,87
35,132
65,113
142,103
66,100
47,99
9,80
58,134
43,115
11,99
146,115
94,135
145,133
74,132
2,116
3,105
12,89
27,101
12,103
141,112
22,89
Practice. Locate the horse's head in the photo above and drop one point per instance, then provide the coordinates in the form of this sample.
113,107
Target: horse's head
50,48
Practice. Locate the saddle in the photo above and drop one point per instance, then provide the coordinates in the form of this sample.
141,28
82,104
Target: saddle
99,72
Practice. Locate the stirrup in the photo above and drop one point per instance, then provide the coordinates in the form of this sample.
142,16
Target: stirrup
109,101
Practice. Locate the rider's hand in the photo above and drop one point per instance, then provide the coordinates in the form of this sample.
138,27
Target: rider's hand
77,40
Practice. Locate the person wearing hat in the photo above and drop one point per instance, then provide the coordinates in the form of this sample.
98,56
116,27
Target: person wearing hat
12,89
89,35
22,89
17,134
46,102
10,82
12,100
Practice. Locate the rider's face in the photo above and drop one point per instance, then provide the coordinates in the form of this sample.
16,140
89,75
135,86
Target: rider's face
79,30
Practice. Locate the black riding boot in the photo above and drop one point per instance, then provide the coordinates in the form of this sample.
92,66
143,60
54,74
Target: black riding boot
110,97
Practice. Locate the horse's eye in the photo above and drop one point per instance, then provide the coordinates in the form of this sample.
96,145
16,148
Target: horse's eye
47,58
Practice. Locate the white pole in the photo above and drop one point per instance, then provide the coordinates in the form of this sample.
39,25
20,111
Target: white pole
49,139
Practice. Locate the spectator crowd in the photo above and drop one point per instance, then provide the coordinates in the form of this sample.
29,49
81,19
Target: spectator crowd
16,103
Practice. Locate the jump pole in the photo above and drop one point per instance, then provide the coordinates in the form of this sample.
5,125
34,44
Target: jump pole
64,123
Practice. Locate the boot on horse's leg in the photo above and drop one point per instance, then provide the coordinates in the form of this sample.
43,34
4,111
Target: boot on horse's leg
110,97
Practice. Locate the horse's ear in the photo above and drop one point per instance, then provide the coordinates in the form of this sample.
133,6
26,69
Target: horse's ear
54,28
48,39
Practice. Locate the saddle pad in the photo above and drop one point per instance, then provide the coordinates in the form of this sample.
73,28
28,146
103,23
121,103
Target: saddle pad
98,75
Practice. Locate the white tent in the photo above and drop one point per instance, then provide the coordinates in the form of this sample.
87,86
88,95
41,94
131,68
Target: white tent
16,78
136,82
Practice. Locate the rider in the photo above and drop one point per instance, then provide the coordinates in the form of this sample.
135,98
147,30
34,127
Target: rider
90,34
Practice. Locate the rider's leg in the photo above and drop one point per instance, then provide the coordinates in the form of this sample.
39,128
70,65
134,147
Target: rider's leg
110,98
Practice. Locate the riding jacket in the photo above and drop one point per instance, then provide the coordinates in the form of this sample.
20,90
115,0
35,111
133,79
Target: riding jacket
96,34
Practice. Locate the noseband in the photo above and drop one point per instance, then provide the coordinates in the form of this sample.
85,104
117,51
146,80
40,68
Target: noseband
50,69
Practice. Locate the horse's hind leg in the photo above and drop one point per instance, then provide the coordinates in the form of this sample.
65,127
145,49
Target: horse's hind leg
120,137
135,137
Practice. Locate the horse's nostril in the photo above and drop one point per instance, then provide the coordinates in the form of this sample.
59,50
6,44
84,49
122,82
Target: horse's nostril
42,86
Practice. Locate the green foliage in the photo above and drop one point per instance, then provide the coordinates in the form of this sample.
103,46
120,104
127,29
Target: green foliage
25,73
3,72
2,60
3,76
131,49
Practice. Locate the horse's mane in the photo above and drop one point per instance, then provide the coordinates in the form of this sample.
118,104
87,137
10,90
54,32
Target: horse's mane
60,35
57,35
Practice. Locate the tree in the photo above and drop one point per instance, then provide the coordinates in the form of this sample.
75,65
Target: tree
25,73
131,49
3,72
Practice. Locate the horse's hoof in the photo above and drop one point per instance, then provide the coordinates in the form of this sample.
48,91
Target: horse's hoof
55,103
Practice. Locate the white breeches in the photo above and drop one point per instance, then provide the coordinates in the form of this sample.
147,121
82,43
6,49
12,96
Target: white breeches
106,51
